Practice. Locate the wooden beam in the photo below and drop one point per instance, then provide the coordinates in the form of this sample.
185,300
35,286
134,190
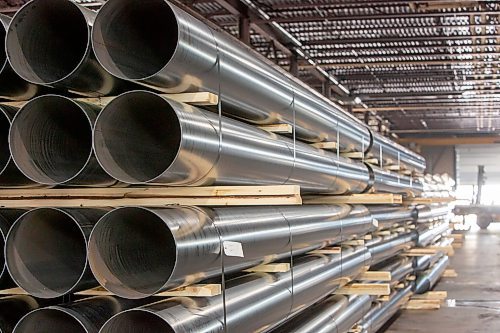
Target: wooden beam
367,199
195,290
452,141
377,289
270,268
375,276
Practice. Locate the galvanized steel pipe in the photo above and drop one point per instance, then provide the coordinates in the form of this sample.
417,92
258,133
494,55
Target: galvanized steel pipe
46,250
174,52
13,308
51,142
137,252
255,302
48,43
83,316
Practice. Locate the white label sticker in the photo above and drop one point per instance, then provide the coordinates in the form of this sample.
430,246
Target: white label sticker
375,223
233,249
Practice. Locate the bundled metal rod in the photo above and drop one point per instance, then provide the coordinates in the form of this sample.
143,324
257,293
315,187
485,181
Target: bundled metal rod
254,303
7,219
136,252
174,52
387,215
391,246
10,175
428,235
431,213
12,87
428,279
46,251
13,308
51,142
84,316
48,43
188,146
423,263
381,313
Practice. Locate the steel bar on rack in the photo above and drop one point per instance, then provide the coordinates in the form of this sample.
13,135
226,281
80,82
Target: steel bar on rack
183,146
388,215
137,252
428,279
46,251
83,316
253,303
175,52
48,43
427,235
430,213
392,246
7,219
51,142
13,308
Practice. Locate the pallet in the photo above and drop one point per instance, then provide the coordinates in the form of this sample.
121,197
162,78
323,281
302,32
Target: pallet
277,128
366,199
152,196
375,289
375,276
202,98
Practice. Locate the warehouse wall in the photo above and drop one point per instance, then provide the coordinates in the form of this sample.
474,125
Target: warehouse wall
440,159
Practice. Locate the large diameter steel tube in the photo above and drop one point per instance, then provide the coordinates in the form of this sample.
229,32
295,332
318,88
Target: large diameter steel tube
386,181
430,213
387,216
10,176
254,302
175,52
51,142
13,308
48,43
185,146
375,319
7,219
428,279
136,252
385,149
388,248
84,316
428,235
12,87
423,263
46,250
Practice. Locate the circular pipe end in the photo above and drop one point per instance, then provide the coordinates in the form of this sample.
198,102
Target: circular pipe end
136,321
135,127
46,252
51,139
4,140
52,319
131,47
132,252
47,41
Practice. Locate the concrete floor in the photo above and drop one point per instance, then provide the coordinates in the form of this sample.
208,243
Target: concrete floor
476,291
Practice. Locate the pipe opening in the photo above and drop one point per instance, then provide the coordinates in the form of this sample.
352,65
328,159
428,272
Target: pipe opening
46,252
4,140
51,139
130,46
49,320
47,40
136,321
133,128
132,252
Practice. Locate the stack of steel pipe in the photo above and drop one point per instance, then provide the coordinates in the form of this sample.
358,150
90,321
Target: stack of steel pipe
57,50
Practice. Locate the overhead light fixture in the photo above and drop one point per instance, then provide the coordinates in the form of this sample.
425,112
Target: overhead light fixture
357,100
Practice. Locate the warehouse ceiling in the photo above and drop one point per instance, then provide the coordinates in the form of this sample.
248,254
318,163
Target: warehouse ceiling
414,67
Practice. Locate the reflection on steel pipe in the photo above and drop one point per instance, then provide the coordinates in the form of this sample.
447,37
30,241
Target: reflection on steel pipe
425,262
428,279
390,247
430,213
46,250
10,176
387,216
386,181
83,316
426,236
51,142
13,308
7,219
175,52
254,302
137,252
48,43
12,87
380,314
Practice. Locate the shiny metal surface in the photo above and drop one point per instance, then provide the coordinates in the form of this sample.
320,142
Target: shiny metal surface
429,234
50,141
391,246
7,219
254,302
12,87
13,308
48,43
181,245
83,316
185,147
386,181
175,52
10,176
375,319
428,279
387,215
425,262
46,250
430,213
385,149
